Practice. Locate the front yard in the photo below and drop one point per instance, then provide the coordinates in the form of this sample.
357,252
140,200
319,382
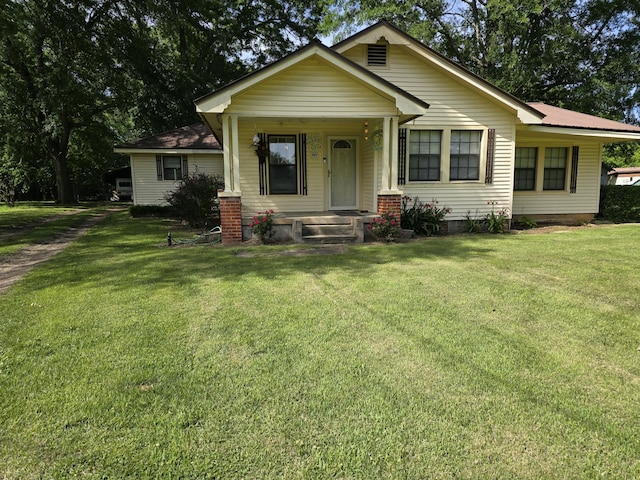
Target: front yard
513,356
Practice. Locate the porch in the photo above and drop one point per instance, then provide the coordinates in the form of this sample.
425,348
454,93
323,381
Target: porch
321,227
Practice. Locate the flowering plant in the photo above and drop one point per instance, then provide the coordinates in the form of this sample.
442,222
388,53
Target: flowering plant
422,218
262,225
385,227
495,220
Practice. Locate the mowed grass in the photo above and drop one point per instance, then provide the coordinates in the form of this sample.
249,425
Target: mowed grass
511,356
38,222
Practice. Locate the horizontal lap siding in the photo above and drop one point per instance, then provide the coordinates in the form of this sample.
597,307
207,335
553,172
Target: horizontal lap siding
333,94
148,190
452,104
587,195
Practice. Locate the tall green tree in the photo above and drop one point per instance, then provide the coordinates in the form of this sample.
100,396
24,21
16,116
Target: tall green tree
76,72
579,54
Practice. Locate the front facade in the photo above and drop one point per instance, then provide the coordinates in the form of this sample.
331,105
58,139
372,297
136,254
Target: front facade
380,117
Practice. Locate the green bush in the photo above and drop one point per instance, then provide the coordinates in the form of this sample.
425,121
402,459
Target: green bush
422,218
620,203
196,199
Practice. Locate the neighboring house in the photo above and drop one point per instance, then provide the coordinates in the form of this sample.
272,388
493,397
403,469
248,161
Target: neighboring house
624,176
159,162
380,116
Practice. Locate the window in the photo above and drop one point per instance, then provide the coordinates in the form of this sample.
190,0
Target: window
465,155
555,168
424,155
283,166
377,54
171,167
525,169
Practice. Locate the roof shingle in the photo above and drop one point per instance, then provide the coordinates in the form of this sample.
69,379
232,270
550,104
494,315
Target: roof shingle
561,117
197,136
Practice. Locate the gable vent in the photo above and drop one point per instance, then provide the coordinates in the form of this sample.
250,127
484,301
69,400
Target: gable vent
377,54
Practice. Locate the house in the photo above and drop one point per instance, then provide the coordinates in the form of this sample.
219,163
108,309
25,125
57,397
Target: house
325,134
624,176
159,162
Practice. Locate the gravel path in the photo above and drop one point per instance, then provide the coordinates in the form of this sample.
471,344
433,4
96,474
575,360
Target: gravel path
15,266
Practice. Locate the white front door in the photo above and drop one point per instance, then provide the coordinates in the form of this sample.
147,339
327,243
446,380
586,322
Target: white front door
343,173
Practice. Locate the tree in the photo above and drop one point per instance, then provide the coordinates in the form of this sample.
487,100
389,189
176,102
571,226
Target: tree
76,73
578,54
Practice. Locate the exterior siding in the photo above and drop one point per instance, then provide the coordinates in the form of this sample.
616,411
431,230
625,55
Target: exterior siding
587,196
311,88
318,133
147,190
452,106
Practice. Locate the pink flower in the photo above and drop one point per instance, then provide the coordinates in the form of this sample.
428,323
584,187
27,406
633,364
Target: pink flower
393,222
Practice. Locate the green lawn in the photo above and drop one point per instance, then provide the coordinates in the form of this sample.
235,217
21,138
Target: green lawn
28,223
511,356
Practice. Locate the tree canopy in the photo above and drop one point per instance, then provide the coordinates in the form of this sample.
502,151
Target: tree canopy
77,76
577,54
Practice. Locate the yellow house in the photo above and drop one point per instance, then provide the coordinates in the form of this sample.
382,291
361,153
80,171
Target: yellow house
328,134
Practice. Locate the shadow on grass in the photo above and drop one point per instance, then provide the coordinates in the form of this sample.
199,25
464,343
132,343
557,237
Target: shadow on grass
123,253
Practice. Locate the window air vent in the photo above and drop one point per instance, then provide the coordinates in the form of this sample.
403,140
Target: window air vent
377,54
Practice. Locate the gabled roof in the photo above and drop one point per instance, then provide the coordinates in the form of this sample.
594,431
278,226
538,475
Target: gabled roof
192,137
217,101
394,35
561,117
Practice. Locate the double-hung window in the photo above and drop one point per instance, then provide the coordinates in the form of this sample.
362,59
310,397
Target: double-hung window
424,155
464,157
555,168
525,168
283,165
171,167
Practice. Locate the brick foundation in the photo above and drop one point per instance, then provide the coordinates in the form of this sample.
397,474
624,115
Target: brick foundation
389,203
231,219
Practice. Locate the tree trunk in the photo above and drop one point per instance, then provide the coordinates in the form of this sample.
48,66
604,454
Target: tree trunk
59,154
63,182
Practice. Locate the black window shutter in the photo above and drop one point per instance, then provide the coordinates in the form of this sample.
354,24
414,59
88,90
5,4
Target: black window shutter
262,163
574,169
159,167
491,155
402,156
302,141
185,166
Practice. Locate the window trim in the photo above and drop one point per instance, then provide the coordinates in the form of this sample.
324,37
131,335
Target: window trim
296,165
408,158
445,153
539,179
535,169
564,169
161,169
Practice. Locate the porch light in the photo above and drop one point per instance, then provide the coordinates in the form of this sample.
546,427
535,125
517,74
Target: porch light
255,141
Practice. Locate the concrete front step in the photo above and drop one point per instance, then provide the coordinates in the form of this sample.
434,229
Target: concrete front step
330,239
334,230
328,229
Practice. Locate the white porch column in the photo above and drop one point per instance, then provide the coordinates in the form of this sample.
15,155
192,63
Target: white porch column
393,154
226,153
385,154
235,146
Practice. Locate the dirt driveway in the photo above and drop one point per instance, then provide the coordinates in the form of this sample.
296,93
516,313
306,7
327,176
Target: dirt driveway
15,266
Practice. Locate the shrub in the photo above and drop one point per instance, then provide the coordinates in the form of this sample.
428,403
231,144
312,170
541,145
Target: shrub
472,224
262,226
495,221
422,218
196,199
527,223
385,227
620,203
